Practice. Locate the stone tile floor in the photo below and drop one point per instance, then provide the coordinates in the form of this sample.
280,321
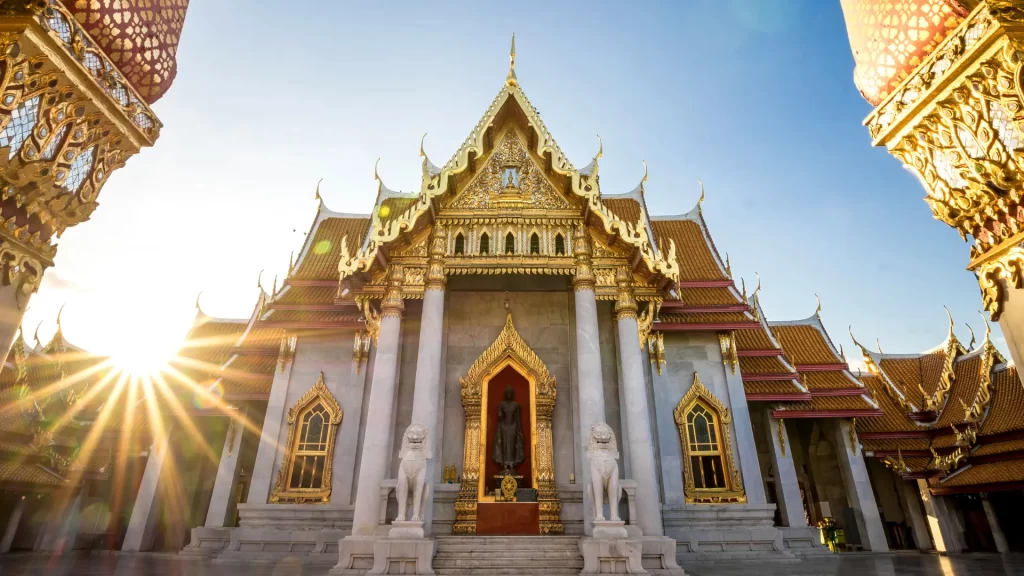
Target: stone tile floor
905,564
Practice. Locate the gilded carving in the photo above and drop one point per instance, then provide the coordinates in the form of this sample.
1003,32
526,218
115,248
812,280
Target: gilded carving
733,491
360,349
508,349
625,303
584,278
286,351
285,491
782,437
730,357
656,350
510,178
994,276
435,279
646,320
392,305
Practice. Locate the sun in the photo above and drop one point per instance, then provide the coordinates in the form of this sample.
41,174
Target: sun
141,358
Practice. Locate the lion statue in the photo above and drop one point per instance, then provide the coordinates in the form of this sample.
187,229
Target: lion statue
412,471
603,453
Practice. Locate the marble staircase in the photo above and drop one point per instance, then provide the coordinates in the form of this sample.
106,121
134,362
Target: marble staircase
511,555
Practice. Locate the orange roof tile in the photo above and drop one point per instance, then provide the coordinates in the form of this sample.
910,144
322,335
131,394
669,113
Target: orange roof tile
323,251
763,364
965,388
894,418
708,296
831,380
999,447
804,344
992,473
777,387
28,474
705,317
915,372
697,258
1007,402
753,340
831,404
626,209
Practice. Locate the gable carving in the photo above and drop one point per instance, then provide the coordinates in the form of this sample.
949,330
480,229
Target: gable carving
510,179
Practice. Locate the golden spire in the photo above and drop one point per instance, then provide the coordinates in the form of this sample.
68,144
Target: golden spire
817,311
701,199
973,338
317,196
878,343
259,281
644,179
422,153
197,300
728,266
511,80
273,290
291,264
600,148
35,335
61,311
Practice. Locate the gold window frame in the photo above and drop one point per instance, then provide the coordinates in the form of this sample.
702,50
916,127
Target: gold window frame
282,494
733,492
509,349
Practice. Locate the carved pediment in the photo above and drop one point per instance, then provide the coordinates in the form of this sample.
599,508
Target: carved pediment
510,179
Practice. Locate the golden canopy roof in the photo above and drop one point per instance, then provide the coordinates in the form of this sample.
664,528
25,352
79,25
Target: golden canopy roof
890,38
139,36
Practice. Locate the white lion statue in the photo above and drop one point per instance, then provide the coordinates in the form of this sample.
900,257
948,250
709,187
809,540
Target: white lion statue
412,471
603,453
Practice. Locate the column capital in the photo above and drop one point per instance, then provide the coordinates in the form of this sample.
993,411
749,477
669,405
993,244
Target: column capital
584,277
435,278
625,303
392,305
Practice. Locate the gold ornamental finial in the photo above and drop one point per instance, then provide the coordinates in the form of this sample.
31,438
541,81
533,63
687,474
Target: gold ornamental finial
600,147
291,264
973,338
878,342
701,199
273,290
35,335
728,266
422,153
950,314
61,311
376,176
511,80
988,327
817,311
743,283
758,289
317,197
197,300
259,280
644,179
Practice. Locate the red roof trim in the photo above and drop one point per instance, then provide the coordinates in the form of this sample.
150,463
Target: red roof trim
759,353
313,283
706,284
684,327
309,307
839,392
821,367
825,413
792,397
678,306
314,325
970,489
770,377
907,453
894,435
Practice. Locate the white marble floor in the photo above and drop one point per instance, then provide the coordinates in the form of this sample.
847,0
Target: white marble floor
907,564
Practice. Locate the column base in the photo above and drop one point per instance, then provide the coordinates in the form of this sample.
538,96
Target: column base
403,556
355,556
611,555
207,542
658,556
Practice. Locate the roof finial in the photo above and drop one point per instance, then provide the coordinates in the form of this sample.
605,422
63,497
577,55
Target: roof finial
35,335
259,280
973,339
600,147
291,264
197,300
701,200
317,197
863,350
950,314
274,290
728,266
988,327
817,311
644,179
61,311
743,282
422,153
878,343
511,80
376,176
758,289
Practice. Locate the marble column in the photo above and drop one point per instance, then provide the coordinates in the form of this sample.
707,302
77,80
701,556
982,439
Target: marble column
787,486
11,313
273,419
12,525
638,415
743,430
589,378
142,524
858,488
1012,323
62,528
671,455
993,523
426,398
376,452
912,505
942,524
221,501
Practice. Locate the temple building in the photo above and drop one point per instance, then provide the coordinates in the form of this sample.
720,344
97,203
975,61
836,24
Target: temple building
499,353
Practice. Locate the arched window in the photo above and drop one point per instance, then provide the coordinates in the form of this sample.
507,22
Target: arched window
510,243
460,244
709,470
559,245
705,454
485,244
534,244
305,474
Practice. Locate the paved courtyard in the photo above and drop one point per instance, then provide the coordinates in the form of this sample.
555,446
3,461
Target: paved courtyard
845,565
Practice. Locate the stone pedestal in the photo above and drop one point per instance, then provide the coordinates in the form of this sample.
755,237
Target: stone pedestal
207,541
402,552
610,555
609,529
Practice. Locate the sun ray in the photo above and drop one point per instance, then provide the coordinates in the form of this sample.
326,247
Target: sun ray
216,401
183,417
60,385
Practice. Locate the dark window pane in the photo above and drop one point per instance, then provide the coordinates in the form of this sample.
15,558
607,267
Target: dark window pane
460,244
534,244
559,245
695,469
510,243
485,244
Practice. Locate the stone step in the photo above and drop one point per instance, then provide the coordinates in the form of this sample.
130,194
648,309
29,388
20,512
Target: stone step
507,555
507,572
524,561
534,553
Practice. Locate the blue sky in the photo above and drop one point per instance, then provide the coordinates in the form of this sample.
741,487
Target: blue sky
754,97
